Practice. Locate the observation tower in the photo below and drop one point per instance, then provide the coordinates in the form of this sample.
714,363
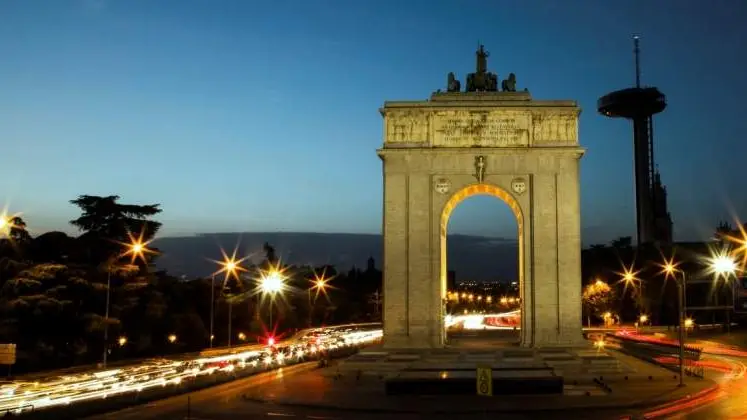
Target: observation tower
639,104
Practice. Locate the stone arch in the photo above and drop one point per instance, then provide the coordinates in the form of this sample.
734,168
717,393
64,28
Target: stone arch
502,194
470,191
503,144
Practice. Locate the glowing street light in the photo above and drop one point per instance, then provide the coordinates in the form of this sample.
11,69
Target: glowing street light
122,341
319,284
242,336
722,265
599,344
643,318
689,323
272,283
172,338
8,222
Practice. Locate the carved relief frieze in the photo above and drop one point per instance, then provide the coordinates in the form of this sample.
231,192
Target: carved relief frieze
549,128
409,126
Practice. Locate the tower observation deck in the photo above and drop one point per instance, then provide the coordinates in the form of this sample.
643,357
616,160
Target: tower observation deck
640,104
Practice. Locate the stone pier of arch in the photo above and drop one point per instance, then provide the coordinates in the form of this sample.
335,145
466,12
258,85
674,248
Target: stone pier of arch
440,151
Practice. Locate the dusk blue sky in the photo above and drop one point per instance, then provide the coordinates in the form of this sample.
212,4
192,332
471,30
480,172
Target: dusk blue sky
263,115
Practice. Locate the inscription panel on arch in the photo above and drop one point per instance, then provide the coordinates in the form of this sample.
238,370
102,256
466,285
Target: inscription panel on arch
484,129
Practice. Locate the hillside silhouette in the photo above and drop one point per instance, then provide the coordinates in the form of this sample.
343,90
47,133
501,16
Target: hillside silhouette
472,257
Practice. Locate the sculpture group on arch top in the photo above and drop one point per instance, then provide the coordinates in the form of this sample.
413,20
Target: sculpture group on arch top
481,80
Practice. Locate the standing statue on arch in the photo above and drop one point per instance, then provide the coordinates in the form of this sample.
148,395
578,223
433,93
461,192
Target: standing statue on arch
509,85
452,84
482,80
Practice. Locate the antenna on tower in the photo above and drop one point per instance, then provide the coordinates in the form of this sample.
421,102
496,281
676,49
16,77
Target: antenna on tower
637,51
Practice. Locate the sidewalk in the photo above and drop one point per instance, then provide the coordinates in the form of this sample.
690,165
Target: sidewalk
646,387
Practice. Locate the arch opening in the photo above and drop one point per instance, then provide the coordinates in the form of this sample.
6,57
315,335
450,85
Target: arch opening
491,303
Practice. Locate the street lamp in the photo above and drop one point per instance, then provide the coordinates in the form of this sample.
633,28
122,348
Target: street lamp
723,265
319,284
172,338
271,284
137,249
230,267
671,270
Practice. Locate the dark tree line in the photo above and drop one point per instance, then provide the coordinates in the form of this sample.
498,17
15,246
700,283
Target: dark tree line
53,293
638,283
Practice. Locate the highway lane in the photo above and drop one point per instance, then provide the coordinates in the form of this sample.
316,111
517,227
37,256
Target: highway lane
148,375
95,384
730,401
222,401
725,364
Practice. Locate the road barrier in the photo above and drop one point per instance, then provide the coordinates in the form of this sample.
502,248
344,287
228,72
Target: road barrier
656,353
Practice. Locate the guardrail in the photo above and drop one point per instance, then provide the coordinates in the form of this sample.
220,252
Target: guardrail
653,353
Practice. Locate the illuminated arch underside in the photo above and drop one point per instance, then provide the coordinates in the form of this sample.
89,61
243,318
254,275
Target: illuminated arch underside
470,191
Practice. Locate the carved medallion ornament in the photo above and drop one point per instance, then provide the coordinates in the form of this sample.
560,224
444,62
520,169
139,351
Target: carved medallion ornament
480,165
442,185
519,185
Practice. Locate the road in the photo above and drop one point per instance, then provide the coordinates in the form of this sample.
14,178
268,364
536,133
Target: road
73,388
19,396
726,364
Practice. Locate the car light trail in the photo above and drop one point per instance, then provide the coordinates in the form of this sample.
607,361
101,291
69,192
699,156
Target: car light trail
20,396
499,321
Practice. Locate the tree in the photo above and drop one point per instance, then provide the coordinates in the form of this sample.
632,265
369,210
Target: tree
106,222
270,255
17,231
598,298
622,242
109,219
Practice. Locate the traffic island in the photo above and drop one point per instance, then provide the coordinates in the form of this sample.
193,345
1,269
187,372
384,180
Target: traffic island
641,386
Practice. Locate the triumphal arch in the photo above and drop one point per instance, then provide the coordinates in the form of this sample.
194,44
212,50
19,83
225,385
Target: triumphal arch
484,139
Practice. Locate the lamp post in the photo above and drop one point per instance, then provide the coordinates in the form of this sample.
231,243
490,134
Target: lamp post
212,308
319,284
723,265
136,249
671,270
230,266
